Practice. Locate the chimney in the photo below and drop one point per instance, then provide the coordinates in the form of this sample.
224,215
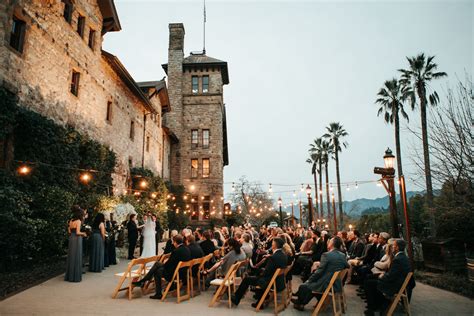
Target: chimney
176,37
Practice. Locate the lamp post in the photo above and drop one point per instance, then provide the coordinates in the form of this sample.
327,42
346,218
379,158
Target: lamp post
388,182
292,214
334,213
310,206
280,202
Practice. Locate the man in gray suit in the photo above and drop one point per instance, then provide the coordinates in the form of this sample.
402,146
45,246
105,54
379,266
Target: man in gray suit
331,261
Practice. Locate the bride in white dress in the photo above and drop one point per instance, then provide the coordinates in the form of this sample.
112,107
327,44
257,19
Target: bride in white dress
149,241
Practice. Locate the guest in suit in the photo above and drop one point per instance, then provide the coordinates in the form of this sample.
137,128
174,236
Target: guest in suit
169,243
166,270
207,245
331,261
357,246
278,260
380,290
194,249
317,250
132,235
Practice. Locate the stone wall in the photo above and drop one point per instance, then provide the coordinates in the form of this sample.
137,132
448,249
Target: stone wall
195,111
41,76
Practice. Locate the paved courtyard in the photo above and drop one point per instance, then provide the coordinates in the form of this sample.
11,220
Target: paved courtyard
93,297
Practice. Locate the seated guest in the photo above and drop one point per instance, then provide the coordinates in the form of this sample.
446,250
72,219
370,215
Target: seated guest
194,249
166,270
382,289
234,255
357,245
198,235
383,264
247,245
367,256
278,260
304,257
307,243
331,261
206,244
169,243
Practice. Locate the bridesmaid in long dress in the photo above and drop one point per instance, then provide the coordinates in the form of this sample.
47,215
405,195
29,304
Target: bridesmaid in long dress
96,263
74,254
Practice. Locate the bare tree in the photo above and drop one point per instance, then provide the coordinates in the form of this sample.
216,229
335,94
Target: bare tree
451,138
252,202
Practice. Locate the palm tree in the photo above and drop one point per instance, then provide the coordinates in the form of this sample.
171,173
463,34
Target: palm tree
314,161
326,151
415,81
335,134
317,150
391,98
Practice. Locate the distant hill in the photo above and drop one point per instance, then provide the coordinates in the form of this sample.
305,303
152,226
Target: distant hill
356,207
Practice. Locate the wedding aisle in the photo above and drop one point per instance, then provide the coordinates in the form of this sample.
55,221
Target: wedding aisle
93,297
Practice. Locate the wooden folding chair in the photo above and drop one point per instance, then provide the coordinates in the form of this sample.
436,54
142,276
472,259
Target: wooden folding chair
195,263
131,276
240,271
176,279
328,292
165,257
271,287
227,283
146,267
289,287
402,294
202,267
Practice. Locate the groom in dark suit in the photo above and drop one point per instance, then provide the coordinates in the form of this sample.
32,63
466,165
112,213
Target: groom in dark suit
331,261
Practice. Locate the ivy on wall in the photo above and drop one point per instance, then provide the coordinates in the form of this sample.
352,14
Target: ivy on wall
35,208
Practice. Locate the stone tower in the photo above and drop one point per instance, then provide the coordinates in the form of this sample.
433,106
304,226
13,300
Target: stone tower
197,118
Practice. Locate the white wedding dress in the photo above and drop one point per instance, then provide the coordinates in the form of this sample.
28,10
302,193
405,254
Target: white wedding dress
149,241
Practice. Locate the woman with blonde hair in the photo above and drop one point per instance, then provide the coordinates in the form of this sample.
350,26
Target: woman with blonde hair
384,264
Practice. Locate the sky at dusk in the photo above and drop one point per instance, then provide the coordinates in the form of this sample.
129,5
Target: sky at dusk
296,66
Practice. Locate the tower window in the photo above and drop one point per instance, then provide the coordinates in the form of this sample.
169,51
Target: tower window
108,115
17,36
194,139
206,206
205,84
205,168
81,22
194,168
195,84
68,9
91,42
205,138
75,83
132,130
148,144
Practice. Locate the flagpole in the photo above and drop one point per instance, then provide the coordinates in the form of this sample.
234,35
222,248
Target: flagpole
204,30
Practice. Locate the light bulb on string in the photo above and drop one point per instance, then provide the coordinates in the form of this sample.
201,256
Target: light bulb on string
233,186
85,177
143,184
302,187
24,170
357,186
270,188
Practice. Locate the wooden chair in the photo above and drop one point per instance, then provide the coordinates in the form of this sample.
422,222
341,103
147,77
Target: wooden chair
329,292
148,263
289,287
195,263
202,267
225,284
176,280
240,271
271,287
131,276
402,294
165,257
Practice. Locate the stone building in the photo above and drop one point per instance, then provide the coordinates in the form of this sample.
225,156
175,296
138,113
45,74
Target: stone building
195,87
51,56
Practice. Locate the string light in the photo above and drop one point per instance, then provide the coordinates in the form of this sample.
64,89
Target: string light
143,184
233,186
270,188
85,177
24,170
302,187
153,195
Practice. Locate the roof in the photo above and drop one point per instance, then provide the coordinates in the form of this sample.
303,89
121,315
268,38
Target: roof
157,87
170,133
201,59
127,79
110,20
